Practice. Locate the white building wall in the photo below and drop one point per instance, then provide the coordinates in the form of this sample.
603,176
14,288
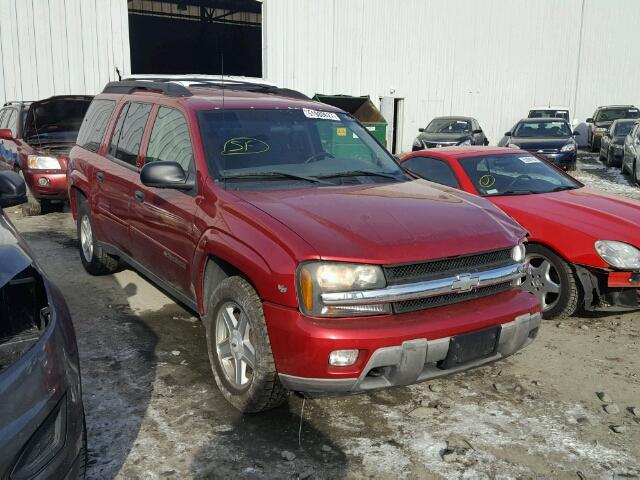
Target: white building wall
55,47
491,59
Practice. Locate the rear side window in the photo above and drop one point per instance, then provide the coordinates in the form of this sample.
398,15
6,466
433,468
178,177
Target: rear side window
3,117
432,169
95,124
170,140
12,123
125,143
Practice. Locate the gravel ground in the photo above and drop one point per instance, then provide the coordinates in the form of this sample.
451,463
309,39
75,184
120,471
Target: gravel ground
153,410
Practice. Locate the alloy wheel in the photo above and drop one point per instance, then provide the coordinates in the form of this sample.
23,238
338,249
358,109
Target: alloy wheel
234,346
86,238
543,281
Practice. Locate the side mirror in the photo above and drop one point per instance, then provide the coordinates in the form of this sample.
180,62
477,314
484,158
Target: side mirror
576,132
13,190
6,134
507,134
589,120
475,132
166,175
421,130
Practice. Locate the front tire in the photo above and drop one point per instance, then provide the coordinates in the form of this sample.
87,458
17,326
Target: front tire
239,348
553,281
94,259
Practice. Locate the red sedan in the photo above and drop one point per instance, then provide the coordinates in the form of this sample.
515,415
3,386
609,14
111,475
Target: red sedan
584,246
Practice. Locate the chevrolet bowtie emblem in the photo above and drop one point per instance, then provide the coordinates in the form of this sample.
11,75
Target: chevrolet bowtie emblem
464,283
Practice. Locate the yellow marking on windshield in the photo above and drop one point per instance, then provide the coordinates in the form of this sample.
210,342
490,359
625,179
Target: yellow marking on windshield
244,146
487,181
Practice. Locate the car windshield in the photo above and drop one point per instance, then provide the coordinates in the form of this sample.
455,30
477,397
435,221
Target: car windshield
254,148
448,125
611,114
514,174
623,129
564,114
542,129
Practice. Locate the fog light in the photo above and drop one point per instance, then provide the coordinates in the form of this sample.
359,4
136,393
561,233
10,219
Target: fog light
43,181
343,358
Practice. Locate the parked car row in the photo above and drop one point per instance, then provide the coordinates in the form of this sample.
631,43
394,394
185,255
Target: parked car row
620,147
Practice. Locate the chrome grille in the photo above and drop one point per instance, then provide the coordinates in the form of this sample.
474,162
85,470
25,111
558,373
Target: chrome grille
407,273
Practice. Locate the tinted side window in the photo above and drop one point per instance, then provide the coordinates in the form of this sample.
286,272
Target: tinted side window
432,169
3,117
131,132
12,122
94,124
170,140
115,136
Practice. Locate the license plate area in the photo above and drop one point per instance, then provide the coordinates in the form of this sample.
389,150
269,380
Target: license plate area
471,346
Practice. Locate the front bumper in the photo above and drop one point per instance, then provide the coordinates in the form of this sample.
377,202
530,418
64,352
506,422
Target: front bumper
563,160
43,383
416,361
609,291
46,184
301,345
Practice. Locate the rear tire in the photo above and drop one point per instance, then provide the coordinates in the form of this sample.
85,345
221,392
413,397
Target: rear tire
553,281
239,348
610,160
94,259
82,470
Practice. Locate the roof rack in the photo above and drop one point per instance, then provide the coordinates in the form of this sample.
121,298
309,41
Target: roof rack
166,86
17,102
178,86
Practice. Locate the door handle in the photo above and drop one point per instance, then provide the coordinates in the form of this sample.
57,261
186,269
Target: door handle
139,196
100,177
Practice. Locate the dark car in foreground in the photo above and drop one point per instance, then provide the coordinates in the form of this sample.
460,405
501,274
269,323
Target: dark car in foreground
315,262
584,245
612,143
447,131
602,119
35,139
550,138
42,431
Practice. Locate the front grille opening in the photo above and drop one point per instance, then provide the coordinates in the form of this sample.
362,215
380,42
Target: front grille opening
407,273
449,298
24,314
377,372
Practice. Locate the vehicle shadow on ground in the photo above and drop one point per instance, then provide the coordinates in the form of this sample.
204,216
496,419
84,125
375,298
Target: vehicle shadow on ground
117,349
273,444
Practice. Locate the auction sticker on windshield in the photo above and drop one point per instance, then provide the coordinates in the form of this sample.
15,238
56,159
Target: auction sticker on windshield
529,160
320,115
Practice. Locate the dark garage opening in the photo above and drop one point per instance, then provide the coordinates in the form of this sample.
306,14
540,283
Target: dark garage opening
196,36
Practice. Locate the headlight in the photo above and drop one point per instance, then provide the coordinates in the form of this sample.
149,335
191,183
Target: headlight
618,254
316,278
37,162
513,145
465,142
417,143
518,253
569,147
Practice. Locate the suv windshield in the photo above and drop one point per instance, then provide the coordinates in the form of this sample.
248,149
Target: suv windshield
611,114
514,174
448,125
564,114
248,146
542,129
623,129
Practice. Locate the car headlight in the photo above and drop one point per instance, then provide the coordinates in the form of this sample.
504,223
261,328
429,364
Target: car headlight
316,278
513,145
569,147
618,254
518,253
417,143
36,162
465,142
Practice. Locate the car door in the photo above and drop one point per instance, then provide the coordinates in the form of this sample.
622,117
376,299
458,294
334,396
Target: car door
432,169
162,227
116,178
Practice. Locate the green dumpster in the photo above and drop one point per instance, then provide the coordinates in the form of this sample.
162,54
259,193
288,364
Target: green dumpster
363,109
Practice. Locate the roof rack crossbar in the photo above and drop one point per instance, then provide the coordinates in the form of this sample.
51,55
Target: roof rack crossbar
166,86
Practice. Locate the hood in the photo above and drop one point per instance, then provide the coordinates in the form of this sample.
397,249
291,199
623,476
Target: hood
603,123
542,143
56,118
389,223
618,140
585,212
444,137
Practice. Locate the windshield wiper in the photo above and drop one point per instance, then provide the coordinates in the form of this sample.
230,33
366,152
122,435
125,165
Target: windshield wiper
517,192
270,175
563,187
361,173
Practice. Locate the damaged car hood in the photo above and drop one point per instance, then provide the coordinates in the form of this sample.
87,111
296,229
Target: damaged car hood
13,257
389,223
